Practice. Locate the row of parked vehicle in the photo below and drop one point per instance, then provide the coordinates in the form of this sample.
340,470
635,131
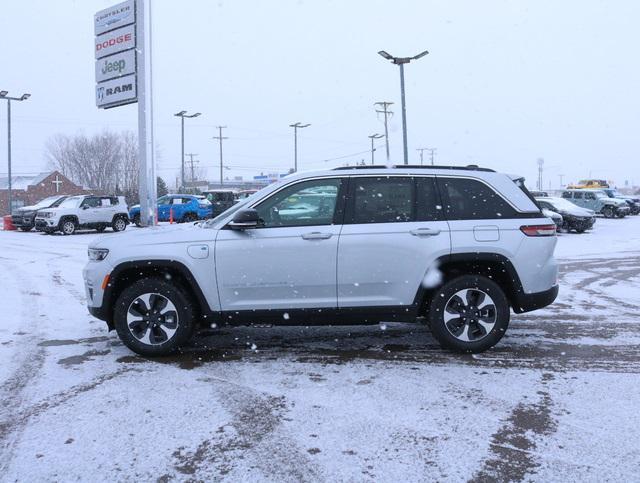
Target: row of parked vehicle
66,214
576,207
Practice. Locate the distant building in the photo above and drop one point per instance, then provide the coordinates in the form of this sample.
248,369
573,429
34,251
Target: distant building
27,190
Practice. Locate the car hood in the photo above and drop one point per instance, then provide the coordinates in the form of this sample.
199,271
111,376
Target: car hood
26,209
156,235
577,211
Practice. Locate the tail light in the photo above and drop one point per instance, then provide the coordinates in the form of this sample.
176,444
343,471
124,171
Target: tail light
538,230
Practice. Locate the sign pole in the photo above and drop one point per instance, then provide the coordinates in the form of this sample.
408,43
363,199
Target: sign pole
147,177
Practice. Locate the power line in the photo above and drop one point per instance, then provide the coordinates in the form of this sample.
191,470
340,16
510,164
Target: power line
432,153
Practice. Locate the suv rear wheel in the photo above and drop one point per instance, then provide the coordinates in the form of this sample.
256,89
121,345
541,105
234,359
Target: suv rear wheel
469,314
153,318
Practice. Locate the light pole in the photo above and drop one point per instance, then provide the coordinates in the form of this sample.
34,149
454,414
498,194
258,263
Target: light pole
182,115
401,61
372,137
296,126
23,97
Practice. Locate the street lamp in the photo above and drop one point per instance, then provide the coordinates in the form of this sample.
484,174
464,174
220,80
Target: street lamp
372,137
296,126
182,115
401,61
23,97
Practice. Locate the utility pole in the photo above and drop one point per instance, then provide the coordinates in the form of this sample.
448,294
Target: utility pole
387,113
373,149
540,164
182,115
400,61
220,137
23,97
192,162
432,152
295,127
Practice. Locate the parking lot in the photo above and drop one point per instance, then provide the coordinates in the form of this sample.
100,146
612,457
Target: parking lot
558,396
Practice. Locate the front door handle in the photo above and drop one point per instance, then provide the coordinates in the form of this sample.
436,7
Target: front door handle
316,235
425,232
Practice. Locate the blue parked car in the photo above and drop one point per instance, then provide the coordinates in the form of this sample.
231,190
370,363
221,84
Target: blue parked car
180,208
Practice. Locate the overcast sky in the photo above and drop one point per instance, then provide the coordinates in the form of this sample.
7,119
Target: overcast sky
506,82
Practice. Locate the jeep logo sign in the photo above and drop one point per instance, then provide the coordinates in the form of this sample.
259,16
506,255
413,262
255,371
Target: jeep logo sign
117,65
116,92
115,41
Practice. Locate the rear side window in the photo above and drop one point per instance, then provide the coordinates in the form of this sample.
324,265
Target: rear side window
382,200
566,194
577,195
469,199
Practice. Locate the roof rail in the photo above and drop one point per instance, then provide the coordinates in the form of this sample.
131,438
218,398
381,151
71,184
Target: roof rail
471,167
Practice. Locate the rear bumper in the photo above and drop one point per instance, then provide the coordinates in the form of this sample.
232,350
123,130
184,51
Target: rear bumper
526,302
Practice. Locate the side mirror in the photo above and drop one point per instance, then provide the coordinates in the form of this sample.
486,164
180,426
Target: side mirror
245,219
85,207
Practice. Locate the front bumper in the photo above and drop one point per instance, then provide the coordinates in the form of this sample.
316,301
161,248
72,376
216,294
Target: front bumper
623,210
526,302
20,221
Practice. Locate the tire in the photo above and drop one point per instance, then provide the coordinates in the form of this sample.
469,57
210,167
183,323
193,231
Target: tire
621,215
136,220
68,226
119,224
189,217
580,230
167,335
468,332
26,228
608,212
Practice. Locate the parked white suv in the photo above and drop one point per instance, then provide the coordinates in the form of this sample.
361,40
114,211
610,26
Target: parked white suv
460,246
87,211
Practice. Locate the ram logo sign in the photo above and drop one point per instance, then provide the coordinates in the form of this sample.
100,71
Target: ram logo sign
116,92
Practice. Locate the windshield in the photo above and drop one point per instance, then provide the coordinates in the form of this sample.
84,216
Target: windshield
46,203
561,204
72,202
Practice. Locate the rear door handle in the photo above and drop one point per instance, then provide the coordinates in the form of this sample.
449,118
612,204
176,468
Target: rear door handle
316,235
425,232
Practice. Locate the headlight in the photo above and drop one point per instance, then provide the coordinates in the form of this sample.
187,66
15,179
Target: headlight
97,254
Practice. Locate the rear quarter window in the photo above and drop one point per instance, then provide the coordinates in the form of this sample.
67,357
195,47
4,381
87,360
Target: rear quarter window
469,199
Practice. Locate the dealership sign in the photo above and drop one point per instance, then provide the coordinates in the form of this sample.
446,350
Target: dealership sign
117,65
114,48
114,17
116,92
115,41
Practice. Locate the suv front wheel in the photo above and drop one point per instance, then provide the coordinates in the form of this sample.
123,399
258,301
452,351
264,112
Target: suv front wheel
153,318
469,314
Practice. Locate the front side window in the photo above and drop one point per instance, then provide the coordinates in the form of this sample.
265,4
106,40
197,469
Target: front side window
469,199
578,195
382,200
165,200
91,202
302,204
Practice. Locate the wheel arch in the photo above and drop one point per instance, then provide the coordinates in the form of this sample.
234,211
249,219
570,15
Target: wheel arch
494,266
127,273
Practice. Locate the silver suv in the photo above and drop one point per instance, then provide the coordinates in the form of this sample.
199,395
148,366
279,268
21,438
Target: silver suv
86,211
459,246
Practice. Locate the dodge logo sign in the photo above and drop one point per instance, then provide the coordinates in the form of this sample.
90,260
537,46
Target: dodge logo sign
115,41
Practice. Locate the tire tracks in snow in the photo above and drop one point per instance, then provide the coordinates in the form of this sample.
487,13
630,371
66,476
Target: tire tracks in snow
513,446
254,433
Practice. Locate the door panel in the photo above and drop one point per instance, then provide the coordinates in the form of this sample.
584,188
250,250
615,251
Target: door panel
392,235
290,262
277,268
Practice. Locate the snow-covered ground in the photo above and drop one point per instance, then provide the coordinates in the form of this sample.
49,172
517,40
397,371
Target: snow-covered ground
556,400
